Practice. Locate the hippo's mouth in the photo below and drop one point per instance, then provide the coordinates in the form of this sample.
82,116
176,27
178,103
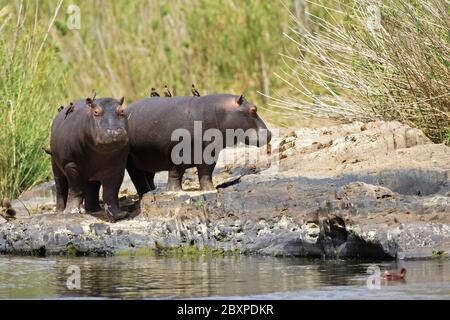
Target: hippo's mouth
110,142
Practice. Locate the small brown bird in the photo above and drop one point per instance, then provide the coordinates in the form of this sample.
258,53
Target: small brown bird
167,92
194,91
69,110
60,108
394,276
154,93
10,213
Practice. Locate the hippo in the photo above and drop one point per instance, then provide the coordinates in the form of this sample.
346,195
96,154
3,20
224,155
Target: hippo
153,122
89,148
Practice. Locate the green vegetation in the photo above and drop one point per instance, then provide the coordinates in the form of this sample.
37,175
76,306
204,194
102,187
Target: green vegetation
122,48
439,254
31,86
199,204
335,66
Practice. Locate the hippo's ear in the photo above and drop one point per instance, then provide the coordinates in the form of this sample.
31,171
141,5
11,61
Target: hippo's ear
240,100
122,100
89,102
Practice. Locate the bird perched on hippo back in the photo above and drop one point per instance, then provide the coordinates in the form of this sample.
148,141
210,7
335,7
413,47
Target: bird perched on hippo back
89,149
69,110
154,93
152,123
167,92
194,91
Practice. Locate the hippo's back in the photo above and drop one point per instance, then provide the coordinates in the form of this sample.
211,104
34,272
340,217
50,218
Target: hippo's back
153,120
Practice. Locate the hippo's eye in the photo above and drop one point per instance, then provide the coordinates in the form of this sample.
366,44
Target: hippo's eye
98,111
253,110
120,112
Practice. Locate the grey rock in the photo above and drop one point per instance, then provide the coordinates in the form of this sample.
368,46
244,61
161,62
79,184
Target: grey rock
375,190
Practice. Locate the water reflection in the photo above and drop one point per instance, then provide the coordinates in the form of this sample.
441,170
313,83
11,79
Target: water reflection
235,276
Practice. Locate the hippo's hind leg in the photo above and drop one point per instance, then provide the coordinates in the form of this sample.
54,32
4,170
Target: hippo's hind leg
205,176
75,195
61,186
150,180
139,179
175,178
111,186
91,200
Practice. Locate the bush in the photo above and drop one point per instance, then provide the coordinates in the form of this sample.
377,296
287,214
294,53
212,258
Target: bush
371,60
31,85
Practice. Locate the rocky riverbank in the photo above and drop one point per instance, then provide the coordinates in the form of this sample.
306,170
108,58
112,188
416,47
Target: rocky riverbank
376,190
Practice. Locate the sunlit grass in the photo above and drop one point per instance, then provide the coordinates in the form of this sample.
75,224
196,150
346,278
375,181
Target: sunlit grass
348,66
31,82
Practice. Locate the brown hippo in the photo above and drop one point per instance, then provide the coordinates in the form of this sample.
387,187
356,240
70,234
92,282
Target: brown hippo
156,125
89,148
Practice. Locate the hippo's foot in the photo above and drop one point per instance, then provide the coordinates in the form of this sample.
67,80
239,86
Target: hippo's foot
206,185
114,215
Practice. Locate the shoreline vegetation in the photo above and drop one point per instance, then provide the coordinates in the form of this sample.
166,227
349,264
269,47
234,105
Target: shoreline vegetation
298,60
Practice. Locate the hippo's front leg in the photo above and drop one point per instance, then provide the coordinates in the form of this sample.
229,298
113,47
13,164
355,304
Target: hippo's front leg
111,187
91,201
205,176
175,178
75,196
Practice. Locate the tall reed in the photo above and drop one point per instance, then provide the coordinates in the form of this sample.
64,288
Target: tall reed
31,81
371,60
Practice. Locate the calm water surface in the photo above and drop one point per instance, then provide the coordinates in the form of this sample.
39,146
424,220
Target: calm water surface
233,277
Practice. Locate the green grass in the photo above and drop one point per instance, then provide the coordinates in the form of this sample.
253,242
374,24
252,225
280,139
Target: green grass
122,48
126,47
32,83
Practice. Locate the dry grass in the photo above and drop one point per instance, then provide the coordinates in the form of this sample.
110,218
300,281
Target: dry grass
347,66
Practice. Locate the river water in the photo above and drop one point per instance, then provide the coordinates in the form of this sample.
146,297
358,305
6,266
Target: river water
233,277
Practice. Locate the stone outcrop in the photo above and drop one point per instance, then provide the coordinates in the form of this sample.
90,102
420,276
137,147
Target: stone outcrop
375,190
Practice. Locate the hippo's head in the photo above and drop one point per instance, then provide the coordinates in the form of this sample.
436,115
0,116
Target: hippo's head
242,115
108,123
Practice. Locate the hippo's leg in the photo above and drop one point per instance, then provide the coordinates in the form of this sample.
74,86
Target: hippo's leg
111,187
75,196
205,176
150,180
175,178
62,188
138,178
91,201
